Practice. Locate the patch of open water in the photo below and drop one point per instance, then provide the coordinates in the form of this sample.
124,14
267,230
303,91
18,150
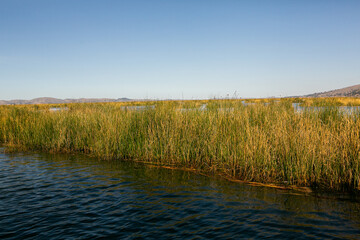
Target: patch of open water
46,196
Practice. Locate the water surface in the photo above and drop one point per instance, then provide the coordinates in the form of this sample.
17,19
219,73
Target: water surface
46,196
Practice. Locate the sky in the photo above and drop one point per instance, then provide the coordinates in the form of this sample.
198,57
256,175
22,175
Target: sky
177,49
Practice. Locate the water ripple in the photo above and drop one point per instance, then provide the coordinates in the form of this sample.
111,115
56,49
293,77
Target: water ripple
62,197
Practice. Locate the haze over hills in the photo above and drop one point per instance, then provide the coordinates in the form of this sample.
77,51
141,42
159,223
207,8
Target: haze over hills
49,100
352,91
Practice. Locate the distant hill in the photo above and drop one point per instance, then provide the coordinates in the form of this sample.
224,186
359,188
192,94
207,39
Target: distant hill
49,100
353,91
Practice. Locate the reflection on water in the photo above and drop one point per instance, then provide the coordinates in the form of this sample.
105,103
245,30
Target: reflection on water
138,108
297,107
57,109
62,196
341,109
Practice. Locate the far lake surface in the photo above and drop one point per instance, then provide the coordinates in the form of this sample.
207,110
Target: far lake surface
44,196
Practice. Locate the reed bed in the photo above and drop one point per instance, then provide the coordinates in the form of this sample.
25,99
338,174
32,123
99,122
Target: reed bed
266,143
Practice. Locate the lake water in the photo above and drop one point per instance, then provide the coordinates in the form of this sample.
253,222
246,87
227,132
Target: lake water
342,109
296,106
45,196
58,109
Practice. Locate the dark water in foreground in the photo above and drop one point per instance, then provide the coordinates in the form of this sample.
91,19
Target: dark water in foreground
73,197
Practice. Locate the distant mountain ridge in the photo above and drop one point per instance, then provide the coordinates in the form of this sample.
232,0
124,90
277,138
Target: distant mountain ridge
352,91
49,100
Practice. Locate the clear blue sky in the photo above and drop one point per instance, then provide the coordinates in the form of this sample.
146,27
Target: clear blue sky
177,49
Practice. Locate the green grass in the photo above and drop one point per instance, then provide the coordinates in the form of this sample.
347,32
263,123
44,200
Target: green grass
268,144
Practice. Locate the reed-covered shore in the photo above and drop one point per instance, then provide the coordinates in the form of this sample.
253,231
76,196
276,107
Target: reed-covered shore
266,143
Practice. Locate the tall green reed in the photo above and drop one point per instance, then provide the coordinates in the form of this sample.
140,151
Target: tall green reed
264,143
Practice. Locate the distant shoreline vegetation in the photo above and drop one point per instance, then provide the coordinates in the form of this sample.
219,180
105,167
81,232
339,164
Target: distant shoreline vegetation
257,140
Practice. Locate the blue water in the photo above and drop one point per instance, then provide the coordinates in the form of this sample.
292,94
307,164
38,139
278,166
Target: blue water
46,196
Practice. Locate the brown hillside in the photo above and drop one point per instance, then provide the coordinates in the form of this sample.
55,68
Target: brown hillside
353,91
